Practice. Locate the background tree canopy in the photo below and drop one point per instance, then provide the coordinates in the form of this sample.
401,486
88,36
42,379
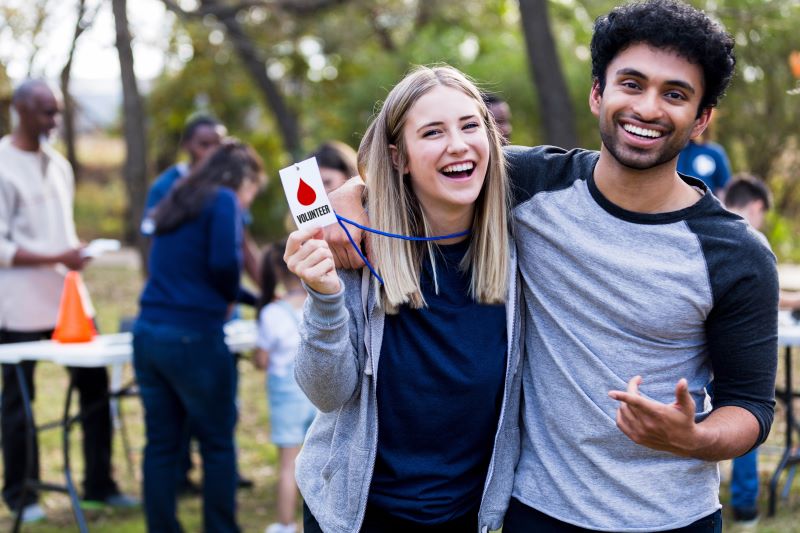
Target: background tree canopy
286,75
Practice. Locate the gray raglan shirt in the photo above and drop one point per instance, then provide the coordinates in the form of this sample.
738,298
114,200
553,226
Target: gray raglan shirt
611,294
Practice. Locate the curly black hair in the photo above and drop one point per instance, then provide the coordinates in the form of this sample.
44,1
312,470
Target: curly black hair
668,24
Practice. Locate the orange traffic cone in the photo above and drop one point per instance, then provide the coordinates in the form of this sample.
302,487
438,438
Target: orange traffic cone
794,63
73,324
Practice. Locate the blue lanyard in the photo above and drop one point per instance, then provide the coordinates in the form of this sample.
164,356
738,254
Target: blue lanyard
341,220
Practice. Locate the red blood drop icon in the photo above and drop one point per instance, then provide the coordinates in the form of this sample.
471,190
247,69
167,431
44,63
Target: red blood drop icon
305,194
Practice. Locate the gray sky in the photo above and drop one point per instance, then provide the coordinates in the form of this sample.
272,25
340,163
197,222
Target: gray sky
96,57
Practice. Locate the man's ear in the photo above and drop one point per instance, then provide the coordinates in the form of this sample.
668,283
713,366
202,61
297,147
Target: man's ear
595,97
396,159
701,122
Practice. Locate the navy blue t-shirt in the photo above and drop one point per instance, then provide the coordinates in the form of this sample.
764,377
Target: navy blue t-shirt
440,388
195,268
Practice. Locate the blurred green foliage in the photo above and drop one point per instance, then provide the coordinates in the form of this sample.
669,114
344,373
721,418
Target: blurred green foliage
100,209
334,67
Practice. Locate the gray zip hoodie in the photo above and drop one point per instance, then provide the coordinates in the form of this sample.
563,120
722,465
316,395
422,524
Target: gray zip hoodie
335,366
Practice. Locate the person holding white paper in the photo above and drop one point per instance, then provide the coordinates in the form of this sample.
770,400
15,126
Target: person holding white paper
426,440
38,245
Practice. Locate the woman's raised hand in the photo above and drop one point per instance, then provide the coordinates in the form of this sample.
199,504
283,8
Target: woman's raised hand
309,258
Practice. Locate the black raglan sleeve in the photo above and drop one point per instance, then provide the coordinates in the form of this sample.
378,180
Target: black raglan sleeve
742,327
545,168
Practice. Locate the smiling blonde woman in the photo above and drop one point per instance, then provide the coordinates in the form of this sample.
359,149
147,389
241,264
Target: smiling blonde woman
427,439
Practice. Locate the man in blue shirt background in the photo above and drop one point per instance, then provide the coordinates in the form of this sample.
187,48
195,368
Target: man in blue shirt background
706,161
201,136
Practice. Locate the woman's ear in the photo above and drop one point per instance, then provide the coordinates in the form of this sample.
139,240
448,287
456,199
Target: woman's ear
396,159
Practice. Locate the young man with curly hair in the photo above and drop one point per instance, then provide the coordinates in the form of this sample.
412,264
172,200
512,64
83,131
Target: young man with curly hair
667,291
640,289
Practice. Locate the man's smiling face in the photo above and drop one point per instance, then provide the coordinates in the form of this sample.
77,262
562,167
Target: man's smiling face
648,108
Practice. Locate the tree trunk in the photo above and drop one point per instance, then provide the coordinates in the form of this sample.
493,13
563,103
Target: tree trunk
558,118
69,102
135,170
256,66
5,101
41,9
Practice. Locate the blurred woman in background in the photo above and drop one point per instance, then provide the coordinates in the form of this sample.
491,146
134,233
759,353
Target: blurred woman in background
337,163
183,366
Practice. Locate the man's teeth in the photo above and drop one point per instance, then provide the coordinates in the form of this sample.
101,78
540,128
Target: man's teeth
459,167
642,132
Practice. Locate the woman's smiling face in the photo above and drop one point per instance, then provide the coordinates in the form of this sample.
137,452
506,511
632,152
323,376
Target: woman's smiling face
447,149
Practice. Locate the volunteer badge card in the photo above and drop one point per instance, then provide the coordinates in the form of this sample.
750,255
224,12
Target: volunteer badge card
307,199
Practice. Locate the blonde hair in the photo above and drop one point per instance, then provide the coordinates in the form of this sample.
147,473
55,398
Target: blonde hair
393,206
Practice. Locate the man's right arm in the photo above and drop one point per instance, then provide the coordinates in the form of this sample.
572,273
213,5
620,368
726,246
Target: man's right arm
71,258
347,201
530,170
12,255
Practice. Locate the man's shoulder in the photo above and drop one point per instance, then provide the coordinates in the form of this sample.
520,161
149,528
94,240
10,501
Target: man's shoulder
60,162
741,268
52,153
732,248
162,184
5,144
167,178
547,168
9,152
716,221
548,155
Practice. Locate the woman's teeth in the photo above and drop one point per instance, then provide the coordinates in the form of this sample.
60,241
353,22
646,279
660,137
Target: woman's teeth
458,167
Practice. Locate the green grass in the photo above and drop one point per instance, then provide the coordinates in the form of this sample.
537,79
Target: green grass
115,290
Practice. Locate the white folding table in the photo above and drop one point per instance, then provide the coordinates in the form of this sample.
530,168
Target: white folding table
103,350
788,338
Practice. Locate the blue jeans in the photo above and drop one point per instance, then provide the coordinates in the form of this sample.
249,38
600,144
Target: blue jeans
186,375
744,481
